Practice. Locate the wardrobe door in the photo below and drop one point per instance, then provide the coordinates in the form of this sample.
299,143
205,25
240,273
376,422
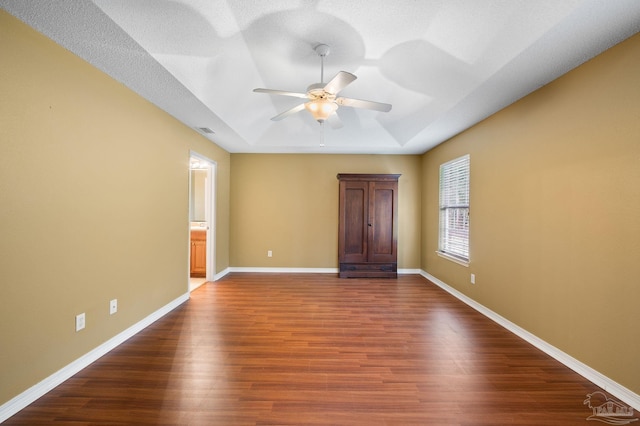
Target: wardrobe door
354,213
383,221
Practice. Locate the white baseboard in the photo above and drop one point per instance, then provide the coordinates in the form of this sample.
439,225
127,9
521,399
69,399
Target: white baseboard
409,271
302,270
19,402
614,388
221,274
284,270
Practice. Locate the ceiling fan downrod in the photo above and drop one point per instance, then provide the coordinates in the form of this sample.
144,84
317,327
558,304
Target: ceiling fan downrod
322,50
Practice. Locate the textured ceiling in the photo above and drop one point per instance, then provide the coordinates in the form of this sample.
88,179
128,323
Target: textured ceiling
444,65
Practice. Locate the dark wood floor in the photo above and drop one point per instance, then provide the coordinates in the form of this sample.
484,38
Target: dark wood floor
313,349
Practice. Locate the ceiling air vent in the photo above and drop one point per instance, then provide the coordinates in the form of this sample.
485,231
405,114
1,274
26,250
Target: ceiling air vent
206,130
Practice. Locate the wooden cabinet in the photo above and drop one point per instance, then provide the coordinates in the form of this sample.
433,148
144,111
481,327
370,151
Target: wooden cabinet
198,253
368,225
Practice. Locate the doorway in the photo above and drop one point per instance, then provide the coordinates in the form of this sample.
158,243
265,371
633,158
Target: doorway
202,177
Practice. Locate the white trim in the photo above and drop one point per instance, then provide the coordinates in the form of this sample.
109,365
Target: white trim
301,270
221,274
409,271
452,258
614,388
210,213
210,200
284,270
20,401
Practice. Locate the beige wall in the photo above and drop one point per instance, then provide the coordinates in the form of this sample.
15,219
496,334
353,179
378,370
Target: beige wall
289,204
555,213
94,206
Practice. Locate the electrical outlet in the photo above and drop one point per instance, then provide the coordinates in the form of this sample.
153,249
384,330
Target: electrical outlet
80,321
113,306
269,253
473,278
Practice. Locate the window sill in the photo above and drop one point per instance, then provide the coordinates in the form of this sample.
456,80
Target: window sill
453,259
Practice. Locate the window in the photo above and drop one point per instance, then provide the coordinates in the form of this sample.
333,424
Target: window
454,209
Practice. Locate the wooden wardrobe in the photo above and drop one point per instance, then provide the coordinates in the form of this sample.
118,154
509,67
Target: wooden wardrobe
368,225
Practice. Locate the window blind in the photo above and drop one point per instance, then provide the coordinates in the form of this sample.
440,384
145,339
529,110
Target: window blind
454,208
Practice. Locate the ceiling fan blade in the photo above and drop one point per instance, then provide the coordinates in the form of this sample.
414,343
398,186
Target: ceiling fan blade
288,112
334,120
282,92
358,103
339,82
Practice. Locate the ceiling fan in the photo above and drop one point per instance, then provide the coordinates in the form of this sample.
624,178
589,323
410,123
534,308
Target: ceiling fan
322,101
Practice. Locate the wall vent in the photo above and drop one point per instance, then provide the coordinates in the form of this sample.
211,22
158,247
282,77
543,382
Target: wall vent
206,130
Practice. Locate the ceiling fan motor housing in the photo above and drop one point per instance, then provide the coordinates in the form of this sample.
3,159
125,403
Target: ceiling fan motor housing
316,91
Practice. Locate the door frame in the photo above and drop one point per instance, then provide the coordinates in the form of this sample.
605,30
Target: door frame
210,212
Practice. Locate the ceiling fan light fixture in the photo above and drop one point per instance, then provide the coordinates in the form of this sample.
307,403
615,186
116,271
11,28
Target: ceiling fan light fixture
323,101
321,109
